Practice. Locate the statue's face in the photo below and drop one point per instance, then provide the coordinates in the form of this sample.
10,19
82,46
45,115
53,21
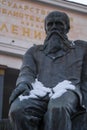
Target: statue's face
57,21
53,24
56,26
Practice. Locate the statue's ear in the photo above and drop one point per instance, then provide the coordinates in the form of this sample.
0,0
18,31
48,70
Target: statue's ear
67,28
45,26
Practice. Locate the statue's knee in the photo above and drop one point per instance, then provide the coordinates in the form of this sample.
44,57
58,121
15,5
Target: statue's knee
65,109
23,115
15,112
59,108
12,113
34,121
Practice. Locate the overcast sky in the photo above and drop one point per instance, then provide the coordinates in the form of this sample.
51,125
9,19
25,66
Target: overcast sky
79,1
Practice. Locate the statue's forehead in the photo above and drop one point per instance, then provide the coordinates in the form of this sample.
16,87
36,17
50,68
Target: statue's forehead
55,19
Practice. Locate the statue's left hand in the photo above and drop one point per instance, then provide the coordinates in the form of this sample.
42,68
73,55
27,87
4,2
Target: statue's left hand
59,93
61,88
66,84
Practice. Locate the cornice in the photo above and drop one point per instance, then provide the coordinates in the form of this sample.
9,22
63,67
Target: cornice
65,5
11,50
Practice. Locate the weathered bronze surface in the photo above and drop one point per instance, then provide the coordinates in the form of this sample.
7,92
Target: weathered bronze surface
58,63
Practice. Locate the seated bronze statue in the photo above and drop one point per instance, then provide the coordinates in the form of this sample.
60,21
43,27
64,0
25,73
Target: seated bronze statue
52,82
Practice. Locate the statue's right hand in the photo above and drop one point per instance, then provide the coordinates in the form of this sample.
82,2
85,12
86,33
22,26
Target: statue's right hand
17,91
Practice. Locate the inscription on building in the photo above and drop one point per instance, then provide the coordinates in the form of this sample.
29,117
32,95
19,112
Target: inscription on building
22,20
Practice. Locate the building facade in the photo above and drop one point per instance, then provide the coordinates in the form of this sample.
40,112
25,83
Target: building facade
22,26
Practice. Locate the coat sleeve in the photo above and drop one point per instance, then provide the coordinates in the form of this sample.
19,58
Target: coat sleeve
84,79
28,72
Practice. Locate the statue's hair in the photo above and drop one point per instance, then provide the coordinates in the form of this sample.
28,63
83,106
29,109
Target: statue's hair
61,15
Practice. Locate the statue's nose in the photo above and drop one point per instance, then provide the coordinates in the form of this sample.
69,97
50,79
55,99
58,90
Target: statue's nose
54,26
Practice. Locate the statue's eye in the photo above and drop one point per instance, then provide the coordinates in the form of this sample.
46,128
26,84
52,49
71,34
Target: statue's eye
59,24
49,24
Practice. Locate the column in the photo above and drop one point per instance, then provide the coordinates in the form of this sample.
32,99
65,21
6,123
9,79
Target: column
2,72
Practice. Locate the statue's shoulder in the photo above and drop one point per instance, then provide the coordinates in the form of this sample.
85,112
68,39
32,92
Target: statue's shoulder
81,43
38,47
34,48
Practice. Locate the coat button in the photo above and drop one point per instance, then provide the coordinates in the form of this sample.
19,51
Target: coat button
53,57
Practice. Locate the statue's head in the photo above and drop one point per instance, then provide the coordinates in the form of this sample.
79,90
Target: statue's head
57,21
57,25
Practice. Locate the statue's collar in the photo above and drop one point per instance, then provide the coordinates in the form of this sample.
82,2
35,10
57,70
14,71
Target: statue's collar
65,48
60,53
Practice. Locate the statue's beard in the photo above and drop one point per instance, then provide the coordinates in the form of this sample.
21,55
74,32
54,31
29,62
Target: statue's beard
53,43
